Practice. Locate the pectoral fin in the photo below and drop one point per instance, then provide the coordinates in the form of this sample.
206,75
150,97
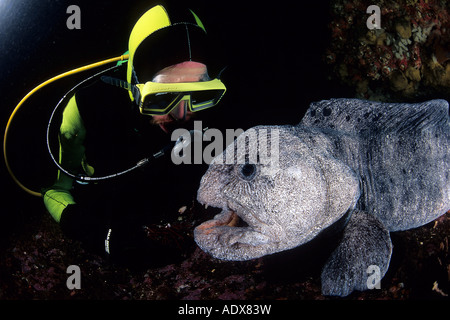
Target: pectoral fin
364,253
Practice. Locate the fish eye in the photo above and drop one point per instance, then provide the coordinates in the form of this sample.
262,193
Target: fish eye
247,171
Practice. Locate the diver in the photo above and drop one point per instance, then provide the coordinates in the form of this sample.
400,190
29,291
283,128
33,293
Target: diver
125,115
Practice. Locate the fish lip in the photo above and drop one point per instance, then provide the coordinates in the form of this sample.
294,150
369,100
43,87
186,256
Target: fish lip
229,218
226,218
224,239
248,216
254,218
231,210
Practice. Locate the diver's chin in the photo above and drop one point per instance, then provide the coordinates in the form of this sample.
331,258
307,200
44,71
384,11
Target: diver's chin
168,124
229,237
163,127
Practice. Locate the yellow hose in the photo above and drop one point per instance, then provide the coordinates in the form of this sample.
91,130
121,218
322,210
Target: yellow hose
62,75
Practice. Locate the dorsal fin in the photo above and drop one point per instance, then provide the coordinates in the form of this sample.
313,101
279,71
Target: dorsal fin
357,116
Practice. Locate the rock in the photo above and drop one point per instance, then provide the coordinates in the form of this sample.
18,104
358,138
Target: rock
404,29
399,82
413,74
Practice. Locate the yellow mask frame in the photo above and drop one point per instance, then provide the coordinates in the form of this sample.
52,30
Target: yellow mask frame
161,98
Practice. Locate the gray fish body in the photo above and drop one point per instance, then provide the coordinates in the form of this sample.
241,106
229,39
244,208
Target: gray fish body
385,166
401,152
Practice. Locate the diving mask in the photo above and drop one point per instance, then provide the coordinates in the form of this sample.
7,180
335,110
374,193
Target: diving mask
161,98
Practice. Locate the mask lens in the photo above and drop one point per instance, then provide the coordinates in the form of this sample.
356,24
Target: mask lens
180,109
205,99
160,103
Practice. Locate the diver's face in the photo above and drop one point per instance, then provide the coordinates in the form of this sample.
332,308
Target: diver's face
188,71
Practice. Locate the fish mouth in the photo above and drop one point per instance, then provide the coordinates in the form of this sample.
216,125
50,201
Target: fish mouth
226,218
233,234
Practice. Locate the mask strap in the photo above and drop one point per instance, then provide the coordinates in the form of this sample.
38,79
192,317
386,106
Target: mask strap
124,85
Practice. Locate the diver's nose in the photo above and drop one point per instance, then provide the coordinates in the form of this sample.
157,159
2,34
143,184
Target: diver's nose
179,112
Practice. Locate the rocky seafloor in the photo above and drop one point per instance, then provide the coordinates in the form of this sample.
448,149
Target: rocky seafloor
34,264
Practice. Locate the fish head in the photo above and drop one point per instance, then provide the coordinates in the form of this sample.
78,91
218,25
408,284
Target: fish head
272,205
